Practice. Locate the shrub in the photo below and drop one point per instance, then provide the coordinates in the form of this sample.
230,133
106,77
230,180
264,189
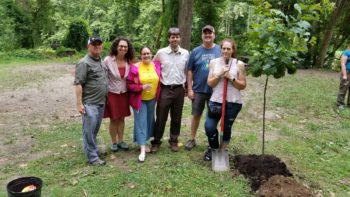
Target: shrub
106,47
77,36
27,54
64,52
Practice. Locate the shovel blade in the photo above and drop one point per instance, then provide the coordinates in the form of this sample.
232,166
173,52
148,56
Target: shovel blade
220,160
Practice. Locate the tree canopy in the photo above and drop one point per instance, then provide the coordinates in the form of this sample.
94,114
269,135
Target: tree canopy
45,23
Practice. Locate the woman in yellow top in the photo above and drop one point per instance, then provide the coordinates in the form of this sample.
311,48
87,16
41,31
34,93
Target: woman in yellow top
143,85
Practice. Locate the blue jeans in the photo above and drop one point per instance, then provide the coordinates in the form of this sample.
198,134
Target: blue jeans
144,122
91,125
232,110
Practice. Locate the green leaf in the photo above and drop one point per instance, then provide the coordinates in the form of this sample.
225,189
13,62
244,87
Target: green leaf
297,7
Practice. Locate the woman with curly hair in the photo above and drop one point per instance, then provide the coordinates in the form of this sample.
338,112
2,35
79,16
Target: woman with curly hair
118,64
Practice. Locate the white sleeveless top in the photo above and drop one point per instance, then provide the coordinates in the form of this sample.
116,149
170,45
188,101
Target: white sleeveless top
233,94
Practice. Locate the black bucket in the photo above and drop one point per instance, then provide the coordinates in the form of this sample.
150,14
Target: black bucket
15,187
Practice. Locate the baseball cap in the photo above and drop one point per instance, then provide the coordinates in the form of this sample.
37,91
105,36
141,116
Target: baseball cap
95,40
208,27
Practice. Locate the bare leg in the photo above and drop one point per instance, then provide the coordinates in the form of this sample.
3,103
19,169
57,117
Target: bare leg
194,125
113,127
120,131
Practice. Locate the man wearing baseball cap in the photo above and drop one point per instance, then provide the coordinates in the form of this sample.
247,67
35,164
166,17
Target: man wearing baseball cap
91,90
198,69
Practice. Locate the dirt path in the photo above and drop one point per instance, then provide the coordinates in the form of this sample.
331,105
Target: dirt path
35,105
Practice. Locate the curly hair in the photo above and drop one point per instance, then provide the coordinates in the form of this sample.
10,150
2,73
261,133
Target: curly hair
129,56
233,44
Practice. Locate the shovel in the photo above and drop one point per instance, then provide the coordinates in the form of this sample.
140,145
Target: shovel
220,161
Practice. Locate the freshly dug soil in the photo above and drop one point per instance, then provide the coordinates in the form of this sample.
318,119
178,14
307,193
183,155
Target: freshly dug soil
281,186
259,168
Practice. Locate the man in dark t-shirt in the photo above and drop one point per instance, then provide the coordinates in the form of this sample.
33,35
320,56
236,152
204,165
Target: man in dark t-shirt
91,89
197,75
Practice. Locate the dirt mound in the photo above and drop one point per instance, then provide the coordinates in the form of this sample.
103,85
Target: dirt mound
259,168
281,186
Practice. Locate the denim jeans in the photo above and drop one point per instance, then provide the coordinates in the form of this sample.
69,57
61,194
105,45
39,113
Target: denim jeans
144,122
91,124
211,123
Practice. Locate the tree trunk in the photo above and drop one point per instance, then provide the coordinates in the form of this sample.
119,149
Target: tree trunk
339,7
185,19
157,44
342,36
330,58
264,112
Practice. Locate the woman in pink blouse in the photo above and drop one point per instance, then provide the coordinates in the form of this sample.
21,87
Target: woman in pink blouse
117,107
143,84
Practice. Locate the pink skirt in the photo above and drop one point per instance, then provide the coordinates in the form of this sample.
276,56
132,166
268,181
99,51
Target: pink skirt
117,106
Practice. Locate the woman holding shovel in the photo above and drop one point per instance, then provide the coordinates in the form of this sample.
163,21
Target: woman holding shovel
227,76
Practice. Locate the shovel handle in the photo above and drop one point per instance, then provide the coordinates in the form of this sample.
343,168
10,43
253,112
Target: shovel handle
223,108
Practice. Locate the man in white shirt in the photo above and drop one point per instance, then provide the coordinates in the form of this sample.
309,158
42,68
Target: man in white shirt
173,61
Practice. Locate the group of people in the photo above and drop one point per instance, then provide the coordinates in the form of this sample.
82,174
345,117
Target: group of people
155,87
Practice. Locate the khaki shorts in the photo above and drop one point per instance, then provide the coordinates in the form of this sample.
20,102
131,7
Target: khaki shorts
198,103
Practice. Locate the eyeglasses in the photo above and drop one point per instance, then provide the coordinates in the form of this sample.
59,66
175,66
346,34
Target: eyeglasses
122,46
146,54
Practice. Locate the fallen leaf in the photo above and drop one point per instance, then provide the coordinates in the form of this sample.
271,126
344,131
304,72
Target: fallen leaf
131,185
23,165
74,182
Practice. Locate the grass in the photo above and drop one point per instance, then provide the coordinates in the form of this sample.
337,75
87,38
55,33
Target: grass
316,136
65,173
310,135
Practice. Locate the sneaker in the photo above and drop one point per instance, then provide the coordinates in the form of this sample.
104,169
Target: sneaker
114,147
123,146
190,144
155,148
341,107
98,162
207,155
174,147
